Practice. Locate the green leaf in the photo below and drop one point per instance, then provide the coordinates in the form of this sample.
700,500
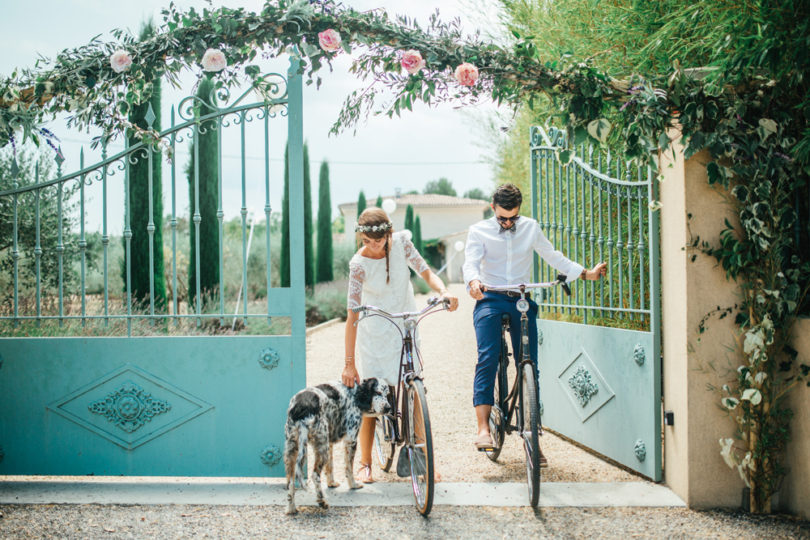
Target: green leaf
599,129
768,125
580,135
663,140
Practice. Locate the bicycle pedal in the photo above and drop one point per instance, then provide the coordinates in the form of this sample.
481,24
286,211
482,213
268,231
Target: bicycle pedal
403,463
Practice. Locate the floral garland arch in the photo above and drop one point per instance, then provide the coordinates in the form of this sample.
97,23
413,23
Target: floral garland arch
98,83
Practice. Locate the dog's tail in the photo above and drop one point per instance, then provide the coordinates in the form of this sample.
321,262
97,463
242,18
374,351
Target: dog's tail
300,463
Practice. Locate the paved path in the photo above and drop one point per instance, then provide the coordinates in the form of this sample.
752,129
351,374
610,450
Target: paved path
259,491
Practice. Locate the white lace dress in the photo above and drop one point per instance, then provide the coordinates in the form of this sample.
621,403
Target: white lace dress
379,344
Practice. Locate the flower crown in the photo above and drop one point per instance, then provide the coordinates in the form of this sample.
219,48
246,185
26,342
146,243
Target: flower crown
382,227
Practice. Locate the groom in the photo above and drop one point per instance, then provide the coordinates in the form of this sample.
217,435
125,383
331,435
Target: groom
499,252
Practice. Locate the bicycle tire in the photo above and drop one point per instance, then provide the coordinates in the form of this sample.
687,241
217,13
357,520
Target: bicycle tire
384,449
497,426
420,447
530,431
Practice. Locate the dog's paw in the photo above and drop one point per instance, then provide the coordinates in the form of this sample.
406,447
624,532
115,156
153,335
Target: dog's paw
356,486
323,504
291,510
333,484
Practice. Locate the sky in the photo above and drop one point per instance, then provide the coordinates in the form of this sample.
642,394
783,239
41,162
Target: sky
383,156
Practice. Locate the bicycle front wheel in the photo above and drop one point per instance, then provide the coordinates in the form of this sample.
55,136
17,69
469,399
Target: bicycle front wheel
384,441
419,443
530,419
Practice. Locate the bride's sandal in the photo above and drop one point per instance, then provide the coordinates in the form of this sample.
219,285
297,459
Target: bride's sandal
365,473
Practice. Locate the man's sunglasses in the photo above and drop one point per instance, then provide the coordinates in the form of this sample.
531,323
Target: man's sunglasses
504,219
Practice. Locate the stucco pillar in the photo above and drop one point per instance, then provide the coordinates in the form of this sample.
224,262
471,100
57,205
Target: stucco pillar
691,209
795,494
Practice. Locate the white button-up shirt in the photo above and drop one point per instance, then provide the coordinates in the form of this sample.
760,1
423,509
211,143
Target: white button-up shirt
505,258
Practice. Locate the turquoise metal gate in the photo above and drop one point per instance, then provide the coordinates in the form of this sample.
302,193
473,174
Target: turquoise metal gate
600,366
144,400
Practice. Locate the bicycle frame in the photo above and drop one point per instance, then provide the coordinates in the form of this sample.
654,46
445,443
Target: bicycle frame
407,373
511,400
410,390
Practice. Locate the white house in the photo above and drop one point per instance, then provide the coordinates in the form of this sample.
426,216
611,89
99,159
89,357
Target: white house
442,218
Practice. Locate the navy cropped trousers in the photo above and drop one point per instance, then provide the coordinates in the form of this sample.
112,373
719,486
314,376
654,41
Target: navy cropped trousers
487,317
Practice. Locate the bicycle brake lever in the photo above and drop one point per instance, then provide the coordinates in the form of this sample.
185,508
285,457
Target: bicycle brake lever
561,278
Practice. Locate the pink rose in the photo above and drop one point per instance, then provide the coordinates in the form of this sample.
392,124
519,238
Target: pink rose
214,60
120,61
412,61
329,40
466,74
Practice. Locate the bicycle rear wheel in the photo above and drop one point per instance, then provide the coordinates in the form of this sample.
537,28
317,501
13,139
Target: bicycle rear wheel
384,442
530,422
496,416
419,443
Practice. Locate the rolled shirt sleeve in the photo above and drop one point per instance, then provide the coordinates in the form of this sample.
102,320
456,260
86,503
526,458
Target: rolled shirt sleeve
554,257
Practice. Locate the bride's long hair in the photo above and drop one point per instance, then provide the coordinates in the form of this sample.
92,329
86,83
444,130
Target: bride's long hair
374,223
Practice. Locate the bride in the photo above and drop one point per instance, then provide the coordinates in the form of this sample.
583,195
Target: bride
379,276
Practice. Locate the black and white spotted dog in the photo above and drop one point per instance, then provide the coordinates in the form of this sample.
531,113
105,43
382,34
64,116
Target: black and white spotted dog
324,415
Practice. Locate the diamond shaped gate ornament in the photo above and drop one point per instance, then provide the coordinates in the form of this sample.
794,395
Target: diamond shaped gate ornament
584,385
129,407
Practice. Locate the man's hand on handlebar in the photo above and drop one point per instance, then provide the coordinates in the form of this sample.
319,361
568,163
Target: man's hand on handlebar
597,272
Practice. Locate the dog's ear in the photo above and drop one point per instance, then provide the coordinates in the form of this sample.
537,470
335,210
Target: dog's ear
365,393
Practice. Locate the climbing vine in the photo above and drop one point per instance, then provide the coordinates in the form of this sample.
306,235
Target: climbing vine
751,120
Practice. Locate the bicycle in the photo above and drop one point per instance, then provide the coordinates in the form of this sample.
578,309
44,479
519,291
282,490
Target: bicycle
408,425
521,402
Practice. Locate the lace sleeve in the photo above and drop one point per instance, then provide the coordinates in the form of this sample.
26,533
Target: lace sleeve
357,275
413,257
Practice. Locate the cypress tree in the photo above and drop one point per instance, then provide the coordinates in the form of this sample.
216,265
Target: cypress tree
409,218
139,204
208,167
361,205
309,251
417,234
378,204
284,260
325,253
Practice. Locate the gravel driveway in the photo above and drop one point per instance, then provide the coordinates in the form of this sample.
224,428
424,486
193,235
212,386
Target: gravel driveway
449,352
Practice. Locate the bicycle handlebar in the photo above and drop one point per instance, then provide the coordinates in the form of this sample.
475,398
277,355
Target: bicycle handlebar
521,287
432,302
